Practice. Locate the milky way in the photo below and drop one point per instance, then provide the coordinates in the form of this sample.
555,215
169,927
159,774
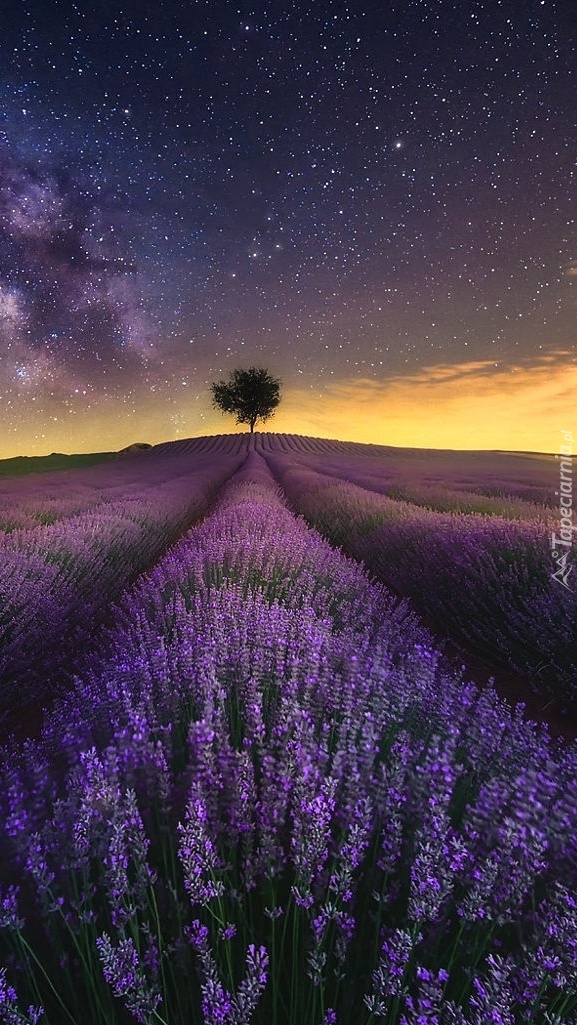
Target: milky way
343,193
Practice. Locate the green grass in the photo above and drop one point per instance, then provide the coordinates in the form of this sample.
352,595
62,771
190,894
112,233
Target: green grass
17,466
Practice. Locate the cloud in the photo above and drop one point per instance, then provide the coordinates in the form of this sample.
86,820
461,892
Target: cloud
513,408
476,405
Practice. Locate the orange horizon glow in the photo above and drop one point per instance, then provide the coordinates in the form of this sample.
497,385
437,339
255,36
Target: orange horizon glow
474,405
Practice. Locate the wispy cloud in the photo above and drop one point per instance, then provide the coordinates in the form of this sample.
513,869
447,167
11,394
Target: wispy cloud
475,405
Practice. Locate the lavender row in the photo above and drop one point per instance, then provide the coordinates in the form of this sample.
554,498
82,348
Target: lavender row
486,581
491,483
56,581
441,498
35,500
264,802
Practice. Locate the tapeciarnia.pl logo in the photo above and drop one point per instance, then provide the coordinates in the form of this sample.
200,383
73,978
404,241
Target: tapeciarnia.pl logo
562,543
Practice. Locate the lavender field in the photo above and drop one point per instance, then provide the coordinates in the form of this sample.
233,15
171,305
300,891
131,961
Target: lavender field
259,792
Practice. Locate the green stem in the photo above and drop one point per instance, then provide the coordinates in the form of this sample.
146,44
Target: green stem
563,1003
30,951
293,972
88,973
160,1018
81,954
455,947
16,942
289,909
154,905
273,962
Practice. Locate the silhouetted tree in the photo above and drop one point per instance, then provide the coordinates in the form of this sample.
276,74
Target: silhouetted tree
250,394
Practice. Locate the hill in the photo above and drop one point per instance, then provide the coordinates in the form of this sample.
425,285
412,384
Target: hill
16,466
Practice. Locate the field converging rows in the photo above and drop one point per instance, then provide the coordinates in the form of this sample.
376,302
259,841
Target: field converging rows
484,579
261,797
58,577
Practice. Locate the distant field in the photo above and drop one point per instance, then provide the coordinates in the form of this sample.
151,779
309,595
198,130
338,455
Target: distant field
524,475
239,779
19,465
430,466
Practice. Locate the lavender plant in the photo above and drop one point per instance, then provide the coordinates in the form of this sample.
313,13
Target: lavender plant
484,580
56,581
263,801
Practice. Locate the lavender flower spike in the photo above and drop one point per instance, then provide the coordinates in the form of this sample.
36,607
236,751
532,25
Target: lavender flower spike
9,1012
122,970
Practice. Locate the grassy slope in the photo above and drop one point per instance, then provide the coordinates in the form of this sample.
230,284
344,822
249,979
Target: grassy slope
16,466
19,465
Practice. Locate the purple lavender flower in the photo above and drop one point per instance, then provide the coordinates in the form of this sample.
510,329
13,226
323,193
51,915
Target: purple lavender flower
217,1002
258,687
37,865
10,1014
491,1001
389,975
507,831
127,848
551,959
311,834
426,1007
197,853
9,914
432,875
253,984
219,1006
353,849
123,972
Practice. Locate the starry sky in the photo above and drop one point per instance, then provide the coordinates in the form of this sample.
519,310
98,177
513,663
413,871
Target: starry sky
374,201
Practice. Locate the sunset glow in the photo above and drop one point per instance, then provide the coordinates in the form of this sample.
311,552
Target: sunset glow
375,203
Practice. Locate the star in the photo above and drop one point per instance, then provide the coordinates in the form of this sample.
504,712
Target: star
346,194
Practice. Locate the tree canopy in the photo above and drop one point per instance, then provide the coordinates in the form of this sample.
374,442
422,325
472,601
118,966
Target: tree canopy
251,395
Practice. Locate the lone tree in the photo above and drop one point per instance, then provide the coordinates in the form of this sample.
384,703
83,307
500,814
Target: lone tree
251,394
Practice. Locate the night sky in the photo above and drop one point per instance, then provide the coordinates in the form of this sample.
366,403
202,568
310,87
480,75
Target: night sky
374,201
